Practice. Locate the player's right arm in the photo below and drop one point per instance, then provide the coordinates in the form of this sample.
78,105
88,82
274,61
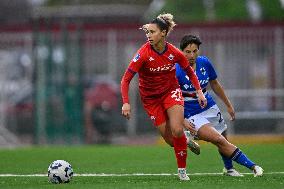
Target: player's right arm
124,87
132,69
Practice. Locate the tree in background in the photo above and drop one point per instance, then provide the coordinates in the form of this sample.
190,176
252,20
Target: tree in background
223,10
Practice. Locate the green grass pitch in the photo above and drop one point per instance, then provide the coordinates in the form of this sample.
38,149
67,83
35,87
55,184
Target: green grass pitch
138,159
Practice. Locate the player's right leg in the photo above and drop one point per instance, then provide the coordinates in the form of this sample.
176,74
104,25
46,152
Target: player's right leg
175,122
210,134
216,120
166,133
168,123
257,171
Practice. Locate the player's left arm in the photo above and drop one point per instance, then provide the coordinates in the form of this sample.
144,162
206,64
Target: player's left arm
220,92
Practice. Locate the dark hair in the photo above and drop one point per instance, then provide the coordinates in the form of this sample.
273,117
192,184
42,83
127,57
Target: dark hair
161,23
189,39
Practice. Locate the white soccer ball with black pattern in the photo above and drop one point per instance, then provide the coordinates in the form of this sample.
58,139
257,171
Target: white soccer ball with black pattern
60,171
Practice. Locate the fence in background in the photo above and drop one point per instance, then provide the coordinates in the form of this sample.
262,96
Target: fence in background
60,82
58,97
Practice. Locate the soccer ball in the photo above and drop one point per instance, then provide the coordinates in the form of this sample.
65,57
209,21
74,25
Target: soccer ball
60,171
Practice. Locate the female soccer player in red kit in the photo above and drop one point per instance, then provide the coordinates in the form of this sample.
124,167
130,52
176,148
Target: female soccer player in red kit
159,89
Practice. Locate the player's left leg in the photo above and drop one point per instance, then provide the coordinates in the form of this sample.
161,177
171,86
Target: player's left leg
229,169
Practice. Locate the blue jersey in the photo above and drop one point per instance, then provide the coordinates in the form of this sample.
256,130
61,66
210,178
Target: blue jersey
205,72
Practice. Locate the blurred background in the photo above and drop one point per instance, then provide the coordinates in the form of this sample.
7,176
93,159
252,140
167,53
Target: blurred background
61,62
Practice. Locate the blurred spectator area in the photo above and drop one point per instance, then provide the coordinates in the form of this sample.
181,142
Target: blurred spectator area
248,59
15,11
102,107
62,61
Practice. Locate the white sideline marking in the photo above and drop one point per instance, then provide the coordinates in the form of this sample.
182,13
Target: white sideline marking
123,175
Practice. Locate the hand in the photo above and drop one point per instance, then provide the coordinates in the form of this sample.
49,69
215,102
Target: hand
201,99
231,112
125,110
189,126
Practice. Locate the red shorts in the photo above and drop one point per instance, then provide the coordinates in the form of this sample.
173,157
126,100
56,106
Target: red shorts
156,108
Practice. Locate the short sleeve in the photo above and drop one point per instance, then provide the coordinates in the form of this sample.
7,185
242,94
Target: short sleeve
212,73
137,61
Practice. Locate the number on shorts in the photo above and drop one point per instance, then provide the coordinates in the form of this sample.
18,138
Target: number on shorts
220,117
177,95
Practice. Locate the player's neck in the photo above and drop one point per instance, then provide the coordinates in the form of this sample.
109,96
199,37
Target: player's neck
193,65
160,47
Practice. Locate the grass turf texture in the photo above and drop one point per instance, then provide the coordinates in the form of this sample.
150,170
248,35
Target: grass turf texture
138,159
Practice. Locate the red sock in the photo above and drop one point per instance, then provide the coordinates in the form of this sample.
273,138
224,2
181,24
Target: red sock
180,148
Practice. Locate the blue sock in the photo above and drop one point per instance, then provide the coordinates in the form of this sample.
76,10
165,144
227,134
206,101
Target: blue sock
239,157
228,163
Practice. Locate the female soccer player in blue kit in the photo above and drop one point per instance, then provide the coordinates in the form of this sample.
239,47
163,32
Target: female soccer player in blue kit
207,123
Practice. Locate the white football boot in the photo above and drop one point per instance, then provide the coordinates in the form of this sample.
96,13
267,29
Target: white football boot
257,171
191,144
231,172
182,174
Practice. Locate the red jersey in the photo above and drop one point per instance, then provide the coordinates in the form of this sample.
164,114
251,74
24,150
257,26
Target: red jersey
156,71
